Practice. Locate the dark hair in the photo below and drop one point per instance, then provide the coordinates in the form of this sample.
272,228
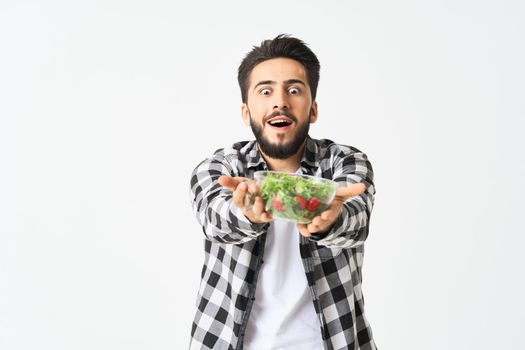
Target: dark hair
282,45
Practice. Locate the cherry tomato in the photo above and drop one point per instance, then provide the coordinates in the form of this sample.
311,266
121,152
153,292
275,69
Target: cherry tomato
277,204
313,204
301,201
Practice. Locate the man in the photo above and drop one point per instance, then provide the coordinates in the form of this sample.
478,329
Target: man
272,284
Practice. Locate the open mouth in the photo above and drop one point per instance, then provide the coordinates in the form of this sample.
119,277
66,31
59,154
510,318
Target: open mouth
280,122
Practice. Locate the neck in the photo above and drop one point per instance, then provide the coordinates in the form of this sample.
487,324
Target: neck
289,165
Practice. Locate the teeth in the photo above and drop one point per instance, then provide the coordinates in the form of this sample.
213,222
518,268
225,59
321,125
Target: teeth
279,121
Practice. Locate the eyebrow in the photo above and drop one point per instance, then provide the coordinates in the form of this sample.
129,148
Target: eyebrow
287,82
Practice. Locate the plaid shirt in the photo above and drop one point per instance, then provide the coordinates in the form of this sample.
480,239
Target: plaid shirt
234,249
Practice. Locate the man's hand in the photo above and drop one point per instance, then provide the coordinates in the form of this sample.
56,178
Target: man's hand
243,187
324,222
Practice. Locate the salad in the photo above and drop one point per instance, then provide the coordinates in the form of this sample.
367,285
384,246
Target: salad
294,197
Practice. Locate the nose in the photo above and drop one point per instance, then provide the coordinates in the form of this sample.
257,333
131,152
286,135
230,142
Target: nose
280,99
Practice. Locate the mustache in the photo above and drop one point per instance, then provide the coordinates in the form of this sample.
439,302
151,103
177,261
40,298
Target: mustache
280,112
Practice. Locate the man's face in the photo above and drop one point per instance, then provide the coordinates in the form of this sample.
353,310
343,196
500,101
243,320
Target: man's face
279,107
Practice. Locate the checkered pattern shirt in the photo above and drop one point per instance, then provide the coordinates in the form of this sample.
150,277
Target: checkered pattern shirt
234,249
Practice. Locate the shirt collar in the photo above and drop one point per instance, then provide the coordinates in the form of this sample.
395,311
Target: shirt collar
309,161
254,158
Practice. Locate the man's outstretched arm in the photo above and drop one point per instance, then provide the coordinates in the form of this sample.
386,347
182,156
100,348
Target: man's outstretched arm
218,200
345,223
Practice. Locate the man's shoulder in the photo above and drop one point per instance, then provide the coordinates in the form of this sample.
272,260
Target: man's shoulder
327,147
237,156
237,149
232,159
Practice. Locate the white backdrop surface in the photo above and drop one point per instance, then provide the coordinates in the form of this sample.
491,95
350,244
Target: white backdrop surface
106,107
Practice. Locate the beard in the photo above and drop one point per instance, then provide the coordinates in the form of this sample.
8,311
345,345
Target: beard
284,150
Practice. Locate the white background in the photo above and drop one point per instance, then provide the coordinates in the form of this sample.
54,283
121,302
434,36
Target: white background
106,107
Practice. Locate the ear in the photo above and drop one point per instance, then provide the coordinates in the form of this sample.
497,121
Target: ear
245,114
313,113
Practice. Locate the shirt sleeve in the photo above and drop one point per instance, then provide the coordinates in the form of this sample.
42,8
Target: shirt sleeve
351,227
213,205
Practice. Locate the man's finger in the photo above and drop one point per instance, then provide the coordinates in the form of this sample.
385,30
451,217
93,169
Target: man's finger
318,221
312,228
228,182
253,188
303,230
327,215
239,195
343,193
332,212
231,182
266,217
258,206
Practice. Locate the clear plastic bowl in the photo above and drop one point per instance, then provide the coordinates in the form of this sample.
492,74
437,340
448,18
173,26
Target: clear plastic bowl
294,197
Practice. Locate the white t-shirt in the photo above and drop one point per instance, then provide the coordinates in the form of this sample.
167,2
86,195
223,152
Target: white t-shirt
283,315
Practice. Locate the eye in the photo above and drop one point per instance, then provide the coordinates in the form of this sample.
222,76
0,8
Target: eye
264,92
294,91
